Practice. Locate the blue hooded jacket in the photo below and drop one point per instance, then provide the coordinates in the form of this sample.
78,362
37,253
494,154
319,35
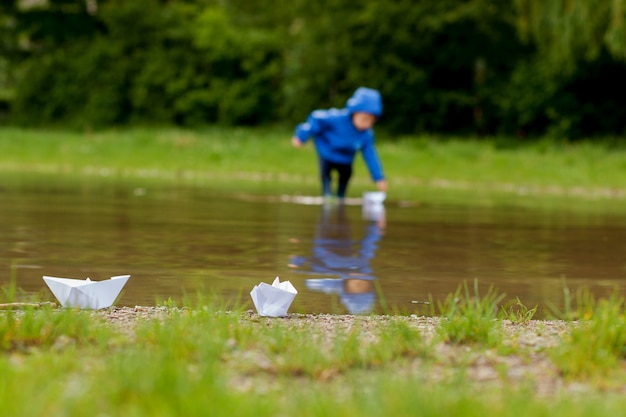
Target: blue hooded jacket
336,138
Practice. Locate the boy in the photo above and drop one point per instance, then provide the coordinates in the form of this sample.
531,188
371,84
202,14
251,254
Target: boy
339,134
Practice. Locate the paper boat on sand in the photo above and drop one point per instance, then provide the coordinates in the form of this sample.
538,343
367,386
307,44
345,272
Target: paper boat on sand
273,300
85,293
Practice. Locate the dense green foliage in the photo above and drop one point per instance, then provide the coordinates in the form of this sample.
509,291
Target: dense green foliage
513,67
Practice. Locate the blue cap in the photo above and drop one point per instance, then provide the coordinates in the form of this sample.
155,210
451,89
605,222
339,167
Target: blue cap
366,100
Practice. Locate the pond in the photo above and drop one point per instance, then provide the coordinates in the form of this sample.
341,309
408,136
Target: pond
179,241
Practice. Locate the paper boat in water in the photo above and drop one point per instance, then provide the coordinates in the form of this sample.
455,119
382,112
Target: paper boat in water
85,293
374,198
273,300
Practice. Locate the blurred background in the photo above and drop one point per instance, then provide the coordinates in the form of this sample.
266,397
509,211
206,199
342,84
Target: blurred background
519,68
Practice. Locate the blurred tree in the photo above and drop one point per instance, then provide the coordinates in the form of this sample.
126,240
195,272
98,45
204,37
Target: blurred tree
317,56
8,38
442,62
50,23
242,66
569,88
584,102
8,42
437,62
41,31
184,62
566,31
449,66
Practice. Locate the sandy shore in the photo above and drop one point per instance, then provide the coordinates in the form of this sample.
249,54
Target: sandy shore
526,364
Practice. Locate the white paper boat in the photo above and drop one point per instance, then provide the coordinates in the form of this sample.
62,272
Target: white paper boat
85,293
374,198
273,300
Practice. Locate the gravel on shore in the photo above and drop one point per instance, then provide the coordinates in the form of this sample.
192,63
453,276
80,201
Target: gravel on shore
528,362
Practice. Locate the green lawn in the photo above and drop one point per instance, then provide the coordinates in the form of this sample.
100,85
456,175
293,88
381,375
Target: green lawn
263,160
209,359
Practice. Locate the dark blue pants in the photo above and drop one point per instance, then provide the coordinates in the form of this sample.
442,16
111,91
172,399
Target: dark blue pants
344,171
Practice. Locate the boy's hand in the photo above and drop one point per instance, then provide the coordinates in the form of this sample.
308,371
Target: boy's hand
381,185
296,142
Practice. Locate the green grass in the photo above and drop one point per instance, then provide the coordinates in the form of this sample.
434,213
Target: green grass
202,359
470,317
263,160
517,312
598,345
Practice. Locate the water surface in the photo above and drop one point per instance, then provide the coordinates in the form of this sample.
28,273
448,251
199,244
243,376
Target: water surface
183,240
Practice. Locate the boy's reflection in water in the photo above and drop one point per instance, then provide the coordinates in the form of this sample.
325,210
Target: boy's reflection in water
335,253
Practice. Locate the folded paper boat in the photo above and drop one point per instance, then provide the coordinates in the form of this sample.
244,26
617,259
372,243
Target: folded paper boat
374,198
373,207
88,294
273,300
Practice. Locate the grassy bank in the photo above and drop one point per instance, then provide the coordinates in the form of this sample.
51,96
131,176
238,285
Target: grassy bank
210,359
263,160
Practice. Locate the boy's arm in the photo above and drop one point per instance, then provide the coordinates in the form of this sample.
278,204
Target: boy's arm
373,164
311,127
